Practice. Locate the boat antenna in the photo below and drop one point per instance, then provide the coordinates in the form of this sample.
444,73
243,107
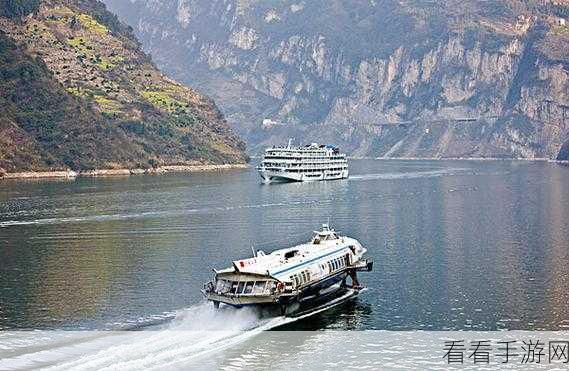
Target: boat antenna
289,142
254,251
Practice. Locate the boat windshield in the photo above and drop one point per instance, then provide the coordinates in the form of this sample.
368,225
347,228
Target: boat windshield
327,236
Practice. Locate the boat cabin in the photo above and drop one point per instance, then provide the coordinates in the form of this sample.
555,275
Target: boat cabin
326,234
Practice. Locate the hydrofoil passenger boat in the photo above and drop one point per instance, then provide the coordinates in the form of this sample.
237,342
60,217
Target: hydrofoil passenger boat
295,278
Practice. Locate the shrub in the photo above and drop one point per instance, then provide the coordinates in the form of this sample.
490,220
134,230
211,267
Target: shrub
18,8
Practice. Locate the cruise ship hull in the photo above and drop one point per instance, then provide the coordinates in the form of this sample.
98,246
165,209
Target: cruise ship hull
271,176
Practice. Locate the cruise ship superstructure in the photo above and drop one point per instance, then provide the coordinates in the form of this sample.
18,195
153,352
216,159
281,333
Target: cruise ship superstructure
292,278
308,163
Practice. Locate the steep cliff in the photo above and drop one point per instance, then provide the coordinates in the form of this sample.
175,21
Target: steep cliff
77,92
408,78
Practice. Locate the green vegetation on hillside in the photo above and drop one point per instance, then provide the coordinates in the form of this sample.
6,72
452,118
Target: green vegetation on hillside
67,133
18,8
76,92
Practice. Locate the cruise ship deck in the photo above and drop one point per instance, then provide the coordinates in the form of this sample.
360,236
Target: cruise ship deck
309,163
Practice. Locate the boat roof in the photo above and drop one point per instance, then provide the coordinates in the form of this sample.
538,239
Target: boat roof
312,146
279,263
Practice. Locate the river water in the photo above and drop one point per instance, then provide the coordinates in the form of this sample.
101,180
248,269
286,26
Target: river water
457,245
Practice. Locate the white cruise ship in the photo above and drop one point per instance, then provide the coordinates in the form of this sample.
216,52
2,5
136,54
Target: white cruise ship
309,163
294,279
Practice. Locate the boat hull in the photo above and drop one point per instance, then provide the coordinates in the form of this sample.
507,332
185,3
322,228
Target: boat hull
287,304
272,176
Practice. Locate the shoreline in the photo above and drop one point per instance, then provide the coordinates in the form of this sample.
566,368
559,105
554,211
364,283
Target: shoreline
522,159
70,174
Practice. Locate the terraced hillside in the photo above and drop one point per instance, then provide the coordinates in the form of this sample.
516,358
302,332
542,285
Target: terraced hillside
77,92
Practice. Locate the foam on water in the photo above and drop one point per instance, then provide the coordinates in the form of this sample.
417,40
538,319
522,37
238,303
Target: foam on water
193,333
141,215
411,174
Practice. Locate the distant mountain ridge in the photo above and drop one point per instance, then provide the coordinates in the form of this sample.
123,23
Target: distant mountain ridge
380,78
77,92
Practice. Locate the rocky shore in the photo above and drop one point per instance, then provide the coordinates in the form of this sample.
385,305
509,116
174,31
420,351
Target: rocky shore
119,172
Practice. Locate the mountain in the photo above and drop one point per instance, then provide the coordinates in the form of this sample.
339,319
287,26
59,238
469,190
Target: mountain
77,92
382,78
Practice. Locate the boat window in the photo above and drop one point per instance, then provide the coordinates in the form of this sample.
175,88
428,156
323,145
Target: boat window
223,286
259,287
330,266
240,287
307,276
303,277
249,287
227,287
219,285
233,287
270,286
290,254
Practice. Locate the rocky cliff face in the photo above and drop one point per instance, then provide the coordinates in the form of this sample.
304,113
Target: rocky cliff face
380,78
77,92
